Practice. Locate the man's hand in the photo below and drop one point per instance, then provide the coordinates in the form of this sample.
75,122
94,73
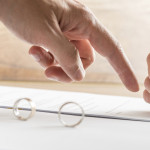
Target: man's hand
64,33
52,68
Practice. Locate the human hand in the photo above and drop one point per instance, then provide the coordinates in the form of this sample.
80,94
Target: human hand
59,26
52,68
146,93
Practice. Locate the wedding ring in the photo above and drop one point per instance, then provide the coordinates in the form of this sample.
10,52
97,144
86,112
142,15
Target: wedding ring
63,122
16,109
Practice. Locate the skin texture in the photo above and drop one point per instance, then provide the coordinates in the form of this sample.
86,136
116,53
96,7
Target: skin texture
64,35
146,93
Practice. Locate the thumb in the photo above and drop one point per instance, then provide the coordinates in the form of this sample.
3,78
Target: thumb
65,54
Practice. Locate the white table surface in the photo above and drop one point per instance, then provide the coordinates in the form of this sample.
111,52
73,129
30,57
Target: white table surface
44,132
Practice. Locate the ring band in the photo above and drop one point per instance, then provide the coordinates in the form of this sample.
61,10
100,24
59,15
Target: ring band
63,122
16,109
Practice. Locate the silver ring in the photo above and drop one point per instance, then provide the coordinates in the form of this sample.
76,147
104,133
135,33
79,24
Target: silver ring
63,122
16,109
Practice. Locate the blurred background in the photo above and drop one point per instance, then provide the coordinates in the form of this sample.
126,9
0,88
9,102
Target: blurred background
129,22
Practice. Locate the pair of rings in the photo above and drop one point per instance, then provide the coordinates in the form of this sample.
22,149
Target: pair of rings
33,110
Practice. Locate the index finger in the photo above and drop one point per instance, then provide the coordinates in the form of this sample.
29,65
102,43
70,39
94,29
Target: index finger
106,45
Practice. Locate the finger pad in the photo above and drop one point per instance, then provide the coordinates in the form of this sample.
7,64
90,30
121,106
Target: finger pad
146,96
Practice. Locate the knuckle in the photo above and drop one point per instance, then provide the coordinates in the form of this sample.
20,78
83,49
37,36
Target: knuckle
85,12
90,60
80,5
84,9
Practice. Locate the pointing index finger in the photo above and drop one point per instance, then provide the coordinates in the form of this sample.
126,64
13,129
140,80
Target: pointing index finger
106,45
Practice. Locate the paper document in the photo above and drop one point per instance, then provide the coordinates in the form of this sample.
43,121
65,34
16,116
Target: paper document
94,105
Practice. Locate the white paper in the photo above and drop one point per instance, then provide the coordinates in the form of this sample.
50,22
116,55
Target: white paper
95,105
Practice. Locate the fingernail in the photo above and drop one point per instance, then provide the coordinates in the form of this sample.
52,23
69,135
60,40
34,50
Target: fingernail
36,57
